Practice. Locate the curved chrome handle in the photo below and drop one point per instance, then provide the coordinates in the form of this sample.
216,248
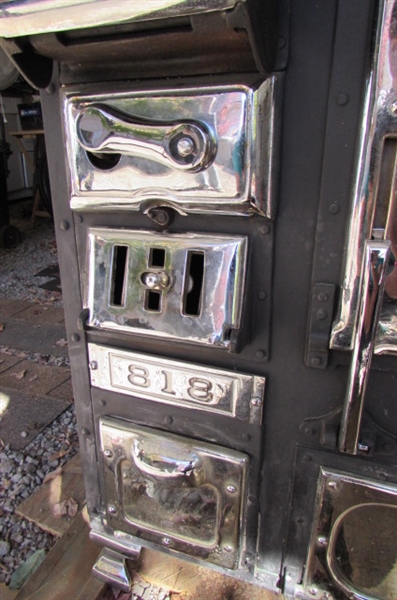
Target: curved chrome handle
159,466
183,145
376,256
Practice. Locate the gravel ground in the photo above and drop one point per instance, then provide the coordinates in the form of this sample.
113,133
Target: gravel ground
18,267
23,471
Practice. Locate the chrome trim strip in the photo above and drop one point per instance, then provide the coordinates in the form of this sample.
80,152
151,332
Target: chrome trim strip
371,296
379,122
172,382
31,17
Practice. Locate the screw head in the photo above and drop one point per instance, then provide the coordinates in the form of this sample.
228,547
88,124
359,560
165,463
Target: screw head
185,146
256,401
112,509
333,485
228,548
264,229
260,354
334,208
166,541
108,453
93,365
322,297
262,295
342,99
231,489
322,540
64,225
321,314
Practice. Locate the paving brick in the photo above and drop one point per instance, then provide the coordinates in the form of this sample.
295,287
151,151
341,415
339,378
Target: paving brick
21,412
7,361
26,335
33,378
63,391
41,314
9,308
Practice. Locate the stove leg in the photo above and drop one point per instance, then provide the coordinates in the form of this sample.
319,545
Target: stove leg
111,567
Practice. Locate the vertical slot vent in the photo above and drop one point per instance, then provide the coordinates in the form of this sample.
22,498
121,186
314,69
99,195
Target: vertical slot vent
157,257
119,267
153,301
193,287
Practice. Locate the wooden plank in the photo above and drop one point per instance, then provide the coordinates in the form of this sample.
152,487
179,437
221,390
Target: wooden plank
6,593
66,570
191,582
39,506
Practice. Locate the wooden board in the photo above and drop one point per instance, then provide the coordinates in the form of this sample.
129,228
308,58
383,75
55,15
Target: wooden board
191,582
39,506
65,573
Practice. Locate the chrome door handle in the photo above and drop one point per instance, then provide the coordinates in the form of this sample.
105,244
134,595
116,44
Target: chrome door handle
184,145
159,466
376,256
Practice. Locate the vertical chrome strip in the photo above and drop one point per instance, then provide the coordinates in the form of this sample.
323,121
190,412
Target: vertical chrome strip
371,296
379,121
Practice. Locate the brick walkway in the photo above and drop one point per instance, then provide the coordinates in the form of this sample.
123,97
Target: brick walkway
34,388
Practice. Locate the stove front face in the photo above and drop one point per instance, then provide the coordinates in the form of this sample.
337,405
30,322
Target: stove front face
224,185
169,192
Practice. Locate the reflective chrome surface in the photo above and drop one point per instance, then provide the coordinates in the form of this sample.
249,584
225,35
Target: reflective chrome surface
353,550
27,17
111,567
371,296
185,146
220,155
374,202
186,494
177,383
132,305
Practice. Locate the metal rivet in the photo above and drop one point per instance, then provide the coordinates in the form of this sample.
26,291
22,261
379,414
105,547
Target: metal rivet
256,401
264,229
333,485
185,146
334,208
85,431
166,541
262,295
322,540
260,354
228,548
322,297
64,225
168,420
112,509
342,99
75,337
316,361
363,448
313,591
108,453
321,314
93,365
231,489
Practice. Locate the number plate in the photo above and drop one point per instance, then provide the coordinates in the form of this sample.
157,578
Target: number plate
184,384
